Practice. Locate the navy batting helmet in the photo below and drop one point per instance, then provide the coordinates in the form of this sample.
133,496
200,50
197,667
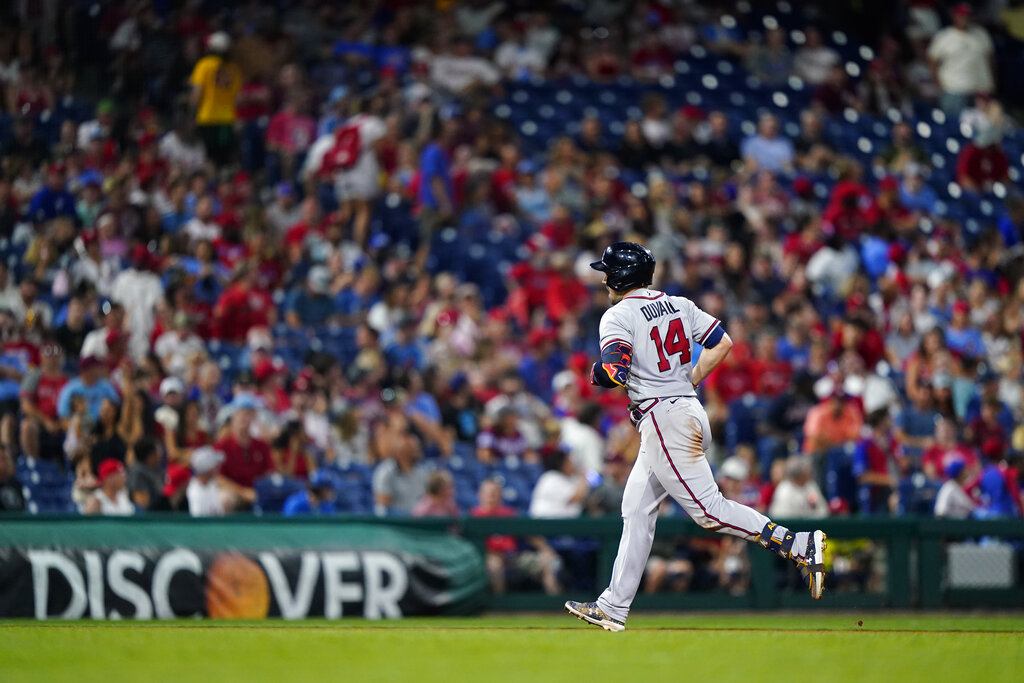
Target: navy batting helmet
628,265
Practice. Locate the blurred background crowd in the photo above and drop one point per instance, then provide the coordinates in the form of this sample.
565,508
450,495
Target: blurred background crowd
322,257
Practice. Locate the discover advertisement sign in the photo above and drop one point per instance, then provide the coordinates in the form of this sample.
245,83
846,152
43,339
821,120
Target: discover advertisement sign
359,570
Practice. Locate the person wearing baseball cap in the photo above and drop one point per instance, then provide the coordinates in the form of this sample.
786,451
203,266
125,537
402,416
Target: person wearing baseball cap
179,346
216,81
53,200
962,337
91,384
312,305
962,56
175,484
246,458
111,494
951,500
205,494
606,498
172,391
317,499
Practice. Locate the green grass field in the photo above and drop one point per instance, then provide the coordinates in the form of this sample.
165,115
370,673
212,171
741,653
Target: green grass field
693,648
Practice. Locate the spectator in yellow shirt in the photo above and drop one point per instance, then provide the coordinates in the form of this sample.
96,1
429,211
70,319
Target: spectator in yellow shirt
216,82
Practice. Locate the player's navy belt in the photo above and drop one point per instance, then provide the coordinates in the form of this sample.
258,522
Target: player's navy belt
638,409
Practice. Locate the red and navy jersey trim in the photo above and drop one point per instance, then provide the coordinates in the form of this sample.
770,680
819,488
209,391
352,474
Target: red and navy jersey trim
612,341
709,331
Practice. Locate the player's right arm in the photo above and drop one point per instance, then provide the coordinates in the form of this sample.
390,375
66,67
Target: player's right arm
711,357
616,353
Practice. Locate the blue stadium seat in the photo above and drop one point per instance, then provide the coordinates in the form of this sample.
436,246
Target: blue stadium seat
273,490
744,416
917,495
839,479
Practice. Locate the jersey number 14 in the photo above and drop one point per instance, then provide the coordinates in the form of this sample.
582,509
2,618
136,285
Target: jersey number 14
675,342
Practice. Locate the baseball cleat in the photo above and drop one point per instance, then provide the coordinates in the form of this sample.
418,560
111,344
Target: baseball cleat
813,567
592,614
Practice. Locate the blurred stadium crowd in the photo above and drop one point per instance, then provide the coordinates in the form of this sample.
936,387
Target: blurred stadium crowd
330,257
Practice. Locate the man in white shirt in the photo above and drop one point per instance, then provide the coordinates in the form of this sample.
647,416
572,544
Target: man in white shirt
178,347
542,35
205,498
654,125
952,501
111,496
95,343
461,70
139,290
813,62
202,226
8,287
580,437
517,59
102,124
962,58
91,266
182,147
798,494
560,491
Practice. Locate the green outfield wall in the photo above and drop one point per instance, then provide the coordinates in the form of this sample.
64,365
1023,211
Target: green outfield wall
158,567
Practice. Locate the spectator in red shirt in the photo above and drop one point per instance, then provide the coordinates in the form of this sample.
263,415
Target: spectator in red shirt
289,136
854,334
150,166
851,209
42,433
503,180
241,307
565,294
731,380
872,467
981,163
946,449
246,459
651,59
803,243
986,434
499,549
836,93
559,230
892,213
269,376
771,376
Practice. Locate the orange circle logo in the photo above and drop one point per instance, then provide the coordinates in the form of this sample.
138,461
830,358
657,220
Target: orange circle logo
236,588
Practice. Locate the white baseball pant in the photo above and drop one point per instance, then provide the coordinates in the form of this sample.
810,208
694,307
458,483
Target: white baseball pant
674,439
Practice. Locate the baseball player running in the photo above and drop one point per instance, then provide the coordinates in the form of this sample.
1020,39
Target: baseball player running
647,340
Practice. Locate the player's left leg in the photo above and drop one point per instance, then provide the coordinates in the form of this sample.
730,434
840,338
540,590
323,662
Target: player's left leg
640,502
680,432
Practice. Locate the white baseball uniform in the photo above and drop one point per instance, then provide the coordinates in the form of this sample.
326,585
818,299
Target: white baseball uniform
660,331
